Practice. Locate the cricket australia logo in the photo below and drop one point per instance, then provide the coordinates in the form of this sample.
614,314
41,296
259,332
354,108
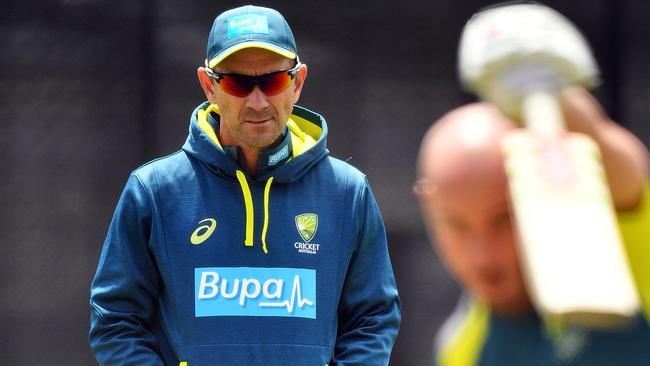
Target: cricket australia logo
306,224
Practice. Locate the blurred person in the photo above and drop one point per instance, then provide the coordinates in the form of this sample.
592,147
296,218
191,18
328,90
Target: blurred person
250,246
462,189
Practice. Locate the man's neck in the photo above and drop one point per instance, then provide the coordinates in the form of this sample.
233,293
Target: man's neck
251,159
259,160
514,309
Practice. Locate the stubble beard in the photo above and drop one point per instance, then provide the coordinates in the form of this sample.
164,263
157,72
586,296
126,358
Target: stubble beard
259,137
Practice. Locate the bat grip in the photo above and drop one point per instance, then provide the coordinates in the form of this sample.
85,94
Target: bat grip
542,114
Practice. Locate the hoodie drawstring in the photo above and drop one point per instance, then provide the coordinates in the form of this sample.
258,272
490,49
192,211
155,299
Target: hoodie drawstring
248,201
267,190
250,215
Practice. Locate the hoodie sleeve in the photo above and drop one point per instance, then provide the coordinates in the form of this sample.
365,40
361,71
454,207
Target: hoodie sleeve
126,285
369,308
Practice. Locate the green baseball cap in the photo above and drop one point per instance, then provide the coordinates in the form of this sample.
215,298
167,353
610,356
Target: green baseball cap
246,27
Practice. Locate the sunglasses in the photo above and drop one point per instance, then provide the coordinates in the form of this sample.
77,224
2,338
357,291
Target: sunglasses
242,85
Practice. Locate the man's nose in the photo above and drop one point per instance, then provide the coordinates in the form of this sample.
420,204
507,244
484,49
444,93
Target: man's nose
256,100
481,252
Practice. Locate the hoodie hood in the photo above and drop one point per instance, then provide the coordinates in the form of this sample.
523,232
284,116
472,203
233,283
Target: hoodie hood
307,132
305,136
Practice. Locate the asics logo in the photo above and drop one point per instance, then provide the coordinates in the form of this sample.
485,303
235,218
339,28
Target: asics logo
203,232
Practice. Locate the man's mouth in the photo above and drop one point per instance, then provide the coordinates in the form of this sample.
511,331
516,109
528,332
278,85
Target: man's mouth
259,121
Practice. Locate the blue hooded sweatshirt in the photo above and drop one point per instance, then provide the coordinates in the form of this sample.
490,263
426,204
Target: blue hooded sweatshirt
204,265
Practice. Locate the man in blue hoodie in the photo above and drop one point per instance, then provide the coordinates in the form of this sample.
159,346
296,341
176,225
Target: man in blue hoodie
250,246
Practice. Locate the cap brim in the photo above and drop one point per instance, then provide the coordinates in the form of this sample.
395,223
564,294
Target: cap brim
254,44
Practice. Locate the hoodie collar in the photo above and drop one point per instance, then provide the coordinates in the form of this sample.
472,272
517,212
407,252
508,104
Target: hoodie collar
303,144
268,158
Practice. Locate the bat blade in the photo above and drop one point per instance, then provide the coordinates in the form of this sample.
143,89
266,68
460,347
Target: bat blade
570,246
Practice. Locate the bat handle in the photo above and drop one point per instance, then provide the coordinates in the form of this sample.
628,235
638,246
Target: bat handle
542,114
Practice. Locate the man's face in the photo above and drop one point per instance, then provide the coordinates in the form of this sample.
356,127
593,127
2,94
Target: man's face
475,239
257,120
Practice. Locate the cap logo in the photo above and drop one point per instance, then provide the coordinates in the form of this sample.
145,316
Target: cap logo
247,24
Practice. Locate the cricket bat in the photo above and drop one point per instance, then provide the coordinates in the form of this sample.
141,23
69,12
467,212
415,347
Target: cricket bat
519,57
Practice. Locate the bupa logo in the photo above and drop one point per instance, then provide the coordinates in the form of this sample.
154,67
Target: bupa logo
278,156
249,291
247,24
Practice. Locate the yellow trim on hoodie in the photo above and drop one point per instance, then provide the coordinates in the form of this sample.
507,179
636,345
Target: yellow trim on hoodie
635,228
302,132
465,347
202,120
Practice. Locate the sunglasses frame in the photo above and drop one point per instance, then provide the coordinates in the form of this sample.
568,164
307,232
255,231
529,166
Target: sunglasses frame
255,80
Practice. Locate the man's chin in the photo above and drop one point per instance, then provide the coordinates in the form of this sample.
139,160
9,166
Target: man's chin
261,141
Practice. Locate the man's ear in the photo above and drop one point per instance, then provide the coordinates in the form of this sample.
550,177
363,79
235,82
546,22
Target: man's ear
301,75
206,84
